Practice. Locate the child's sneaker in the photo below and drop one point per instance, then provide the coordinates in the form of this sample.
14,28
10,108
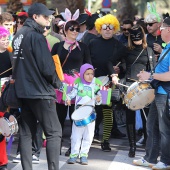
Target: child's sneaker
105,146
83,160
72,160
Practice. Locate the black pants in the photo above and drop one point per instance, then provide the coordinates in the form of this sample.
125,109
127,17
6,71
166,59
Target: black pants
45,112
36,143
131,119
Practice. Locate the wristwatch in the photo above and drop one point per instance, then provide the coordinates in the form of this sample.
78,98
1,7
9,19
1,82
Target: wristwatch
151,76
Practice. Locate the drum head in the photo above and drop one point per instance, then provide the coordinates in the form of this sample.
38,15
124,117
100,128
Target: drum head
142,99
82,113
4,127
104,80
132,86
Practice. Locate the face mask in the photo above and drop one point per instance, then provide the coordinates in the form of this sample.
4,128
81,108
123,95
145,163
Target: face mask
136,34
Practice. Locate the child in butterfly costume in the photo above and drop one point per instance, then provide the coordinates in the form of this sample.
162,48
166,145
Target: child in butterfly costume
87,92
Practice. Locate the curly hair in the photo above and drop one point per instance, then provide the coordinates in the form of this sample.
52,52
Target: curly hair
107,19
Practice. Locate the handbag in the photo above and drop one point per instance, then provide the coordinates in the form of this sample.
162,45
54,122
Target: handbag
116,95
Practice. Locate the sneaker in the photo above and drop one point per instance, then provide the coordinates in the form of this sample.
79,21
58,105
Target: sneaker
72,160
105,146
68,152
17,159
161,166
117,134
83,160
141,142
35,159
142,162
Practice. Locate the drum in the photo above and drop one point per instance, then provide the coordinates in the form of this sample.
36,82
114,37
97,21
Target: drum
8,128
139,95
83,116
105,81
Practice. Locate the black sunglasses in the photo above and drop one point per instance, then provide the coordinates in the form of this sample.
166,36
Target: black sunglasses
20,22
126,29
150,24
74,29
48,27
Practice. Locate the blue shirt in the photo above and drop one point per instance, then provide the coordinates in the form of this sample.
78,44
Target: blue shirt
163,66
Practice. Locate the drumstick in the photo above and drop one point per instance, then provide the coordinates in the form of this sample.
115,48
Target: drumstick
104,79
122,85
132,79
6,71
117,64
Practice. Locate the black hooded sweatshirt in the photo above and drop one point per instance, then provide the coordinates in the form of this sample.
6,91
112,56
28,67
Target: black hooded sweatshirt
34,71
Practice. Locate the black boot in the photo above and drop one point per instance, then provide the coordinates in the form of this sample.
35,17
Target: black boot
132,140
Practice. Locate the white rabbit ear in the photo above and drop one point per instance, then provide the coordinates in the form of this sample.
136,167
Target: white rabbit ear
76,15
67,14
60,23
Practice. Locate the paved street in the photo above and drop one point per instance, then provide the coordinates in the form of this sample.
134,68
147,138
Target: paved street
117,159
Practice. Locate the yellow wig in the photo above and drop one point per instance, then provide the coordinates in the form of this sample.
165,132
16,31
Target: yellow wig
107,19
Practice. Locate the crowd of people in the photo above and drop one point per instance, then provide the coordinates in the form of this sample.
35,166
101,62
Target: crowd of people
89,46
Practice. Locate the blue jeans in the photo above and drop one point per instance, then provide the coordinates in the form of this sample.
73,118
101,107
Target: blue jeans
158,131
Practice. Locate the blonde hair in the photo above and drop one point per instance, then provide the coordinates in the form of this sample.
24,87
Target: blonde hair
144,43
107,19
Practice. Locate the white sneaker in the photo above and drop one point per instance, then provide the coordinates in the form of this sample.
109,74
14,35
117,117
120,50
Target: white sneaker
142,162
161,166
35,159
17,159
140,142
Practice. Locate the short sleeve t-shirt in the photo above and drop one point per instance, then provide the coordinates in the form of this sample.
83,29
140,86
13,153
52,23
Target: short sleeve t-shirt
163,66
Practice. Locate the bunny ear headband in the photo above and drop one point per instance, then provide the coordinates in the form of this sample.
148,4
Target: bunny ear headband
152,9
69,17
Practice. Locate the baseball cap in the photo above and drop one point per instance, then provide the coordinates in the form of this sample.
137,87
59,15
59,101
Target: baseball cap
167,21
39,8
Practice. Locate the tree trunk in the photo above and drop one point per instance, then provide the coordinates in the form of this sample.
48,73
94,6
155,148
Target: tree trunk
72,5
40,1
14,6
125,10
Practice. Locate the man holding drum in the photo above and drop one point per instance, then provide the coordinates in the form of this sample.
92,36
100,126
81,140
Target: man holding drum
158,122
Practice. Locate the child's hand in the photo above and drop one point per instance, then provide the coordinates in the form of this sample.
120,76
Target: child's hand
98,98
68,102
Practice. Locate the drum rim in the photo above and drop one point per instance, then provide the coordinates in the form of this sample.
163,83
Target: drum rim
82,118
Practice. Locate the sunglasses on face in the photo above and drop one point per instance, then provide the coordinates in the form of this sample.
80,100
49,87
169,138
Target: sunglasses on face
110,26
20,22
125,29
150,24
48,27
74,29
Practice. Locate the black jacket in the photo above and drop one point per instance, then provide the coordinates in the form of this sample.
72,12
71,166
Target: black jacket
34,72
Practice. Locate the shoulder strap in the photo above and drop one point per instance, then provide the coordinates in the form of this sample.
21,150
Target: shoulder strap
162,57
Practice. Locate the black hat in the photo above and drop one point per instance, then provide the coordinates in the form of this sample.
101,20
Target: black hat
82,18
167,21
91,20
39,8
